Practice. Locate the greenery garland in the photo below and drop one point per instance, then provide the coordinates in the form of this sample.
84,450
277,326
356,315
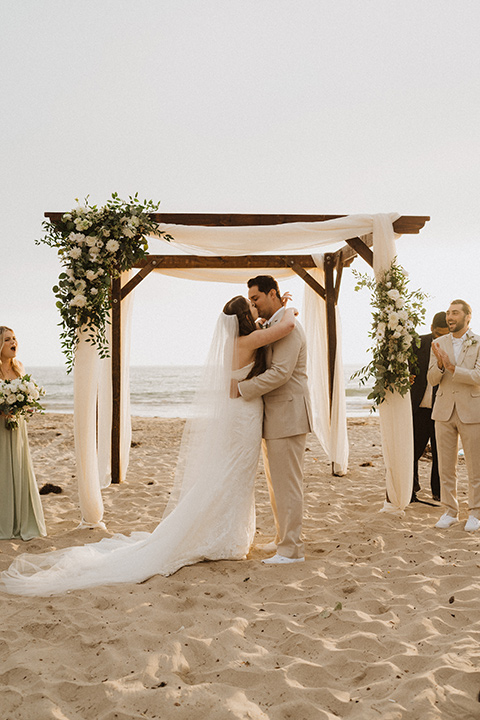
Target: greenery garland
396,313
96,245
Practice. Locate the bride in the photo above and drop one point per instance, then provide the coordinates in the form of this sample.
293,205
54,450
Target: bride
211,513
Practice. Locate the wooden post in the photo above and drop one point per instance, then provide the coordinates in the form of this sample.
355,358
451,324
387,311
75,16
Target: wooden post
330,300
116,378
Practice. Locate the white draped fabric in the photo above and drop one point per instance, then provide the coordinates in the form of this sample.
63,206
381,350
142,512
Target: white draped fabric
396,422
294,238
92,393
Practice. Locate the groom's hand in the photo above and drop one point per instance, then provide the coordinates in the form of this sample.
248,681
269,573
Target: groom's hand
234,392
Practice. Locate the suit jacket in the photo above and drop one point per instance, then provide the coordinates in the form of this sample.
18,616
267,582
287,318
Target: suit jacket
417,390
462,389
286,399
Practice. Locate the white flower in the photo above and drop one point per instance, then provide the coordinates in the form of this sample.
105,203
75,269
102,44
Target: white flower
403,315
106,233
393,294
112,246
82,224
94,291
69,273
400,302
20,397
407,341
77,238
397,334
93,253
100,271
389,284
66,216
127,231
134,221
91,240
78,301
99,243
11,399
75,253
90,275
393,320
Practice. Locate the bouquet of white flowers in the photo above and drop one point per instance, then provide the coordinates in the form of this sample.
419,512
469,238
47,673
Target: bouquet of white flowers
19,397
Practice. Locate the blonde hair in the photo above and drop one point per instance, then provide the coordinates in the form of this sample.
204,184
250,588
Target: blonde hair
17,366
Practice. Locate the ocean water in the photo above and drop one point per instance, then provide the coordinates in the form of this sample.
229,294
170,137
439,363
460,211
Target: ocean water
167,391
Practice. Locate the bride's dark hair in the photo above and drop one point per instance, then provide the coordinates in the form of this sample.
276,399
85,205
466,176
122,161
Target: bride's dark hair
240,307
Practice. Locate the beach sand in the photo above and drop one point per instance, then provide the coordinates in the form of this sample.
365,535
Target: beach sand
381,621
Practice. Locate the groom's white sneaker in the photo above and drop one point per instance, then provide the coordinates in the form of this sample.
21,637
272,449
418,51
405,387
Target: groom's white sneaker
268,547
472,524
446,521
281,560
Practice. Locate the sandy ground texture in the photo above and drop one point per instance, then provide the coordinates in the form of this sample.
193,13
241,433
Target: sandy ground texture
381,621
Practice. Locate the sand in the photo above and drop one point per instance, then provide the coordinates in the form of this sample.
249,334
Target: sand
381,621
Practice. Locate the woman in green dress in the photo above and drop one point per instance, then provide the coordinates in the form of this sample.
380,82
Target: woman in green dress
21,514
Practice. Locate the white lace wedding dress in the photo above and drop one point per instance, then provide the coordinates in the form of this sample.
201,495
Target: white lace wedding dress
211,514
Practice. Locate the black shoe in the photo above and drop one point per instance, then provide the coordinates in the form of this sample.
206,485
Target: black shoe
436,498
414,498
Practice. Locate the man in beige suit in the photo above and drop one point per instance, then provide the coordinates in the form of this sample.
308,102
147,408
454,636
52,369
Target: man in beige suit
286,420
456,412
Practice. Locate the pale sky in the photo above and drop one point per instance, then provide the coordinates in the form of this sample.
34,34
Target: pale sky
273,106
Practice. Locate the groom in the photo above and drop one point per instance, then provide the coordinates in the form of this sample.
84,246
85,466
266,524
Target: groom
286,420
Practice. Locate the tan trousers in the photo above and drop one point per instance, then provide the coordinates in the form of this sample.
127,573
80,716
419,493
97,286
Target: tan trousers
447,434
283,460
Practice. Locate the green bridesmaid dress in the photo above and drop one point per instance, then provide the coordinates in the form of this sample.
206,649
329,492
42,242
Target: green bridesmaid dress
21,513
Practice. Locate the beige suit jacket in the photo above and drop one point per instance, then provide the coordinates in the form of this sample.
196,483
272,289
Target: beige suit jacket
460,390
286,399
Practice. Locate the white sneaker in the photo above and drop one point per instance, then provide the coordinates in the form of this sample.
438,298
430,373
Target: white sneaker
446,521
472,524
268,547
281,560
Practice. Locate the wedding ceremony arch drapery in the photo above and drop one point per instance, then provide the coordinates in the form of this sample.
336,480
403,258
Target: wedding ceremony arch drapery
235,241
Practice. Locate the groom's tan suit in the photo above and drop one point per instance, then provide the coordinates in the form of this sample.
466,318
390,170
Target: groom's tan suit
457,412
286,422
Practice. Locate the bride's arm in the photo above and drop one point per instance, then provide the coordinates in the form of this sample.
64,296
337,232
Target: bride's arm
260,338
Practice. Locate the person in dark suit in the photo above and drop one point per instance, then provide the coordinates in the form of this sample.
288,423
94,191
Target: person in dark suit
422,397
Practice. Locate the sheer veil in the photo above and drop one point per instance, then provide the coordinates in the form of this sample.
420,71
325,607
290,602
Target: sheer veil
193,526
204,436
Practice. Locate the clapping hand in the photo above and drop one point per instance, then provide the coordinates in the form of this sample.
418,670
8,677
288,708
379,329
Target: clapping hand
443,360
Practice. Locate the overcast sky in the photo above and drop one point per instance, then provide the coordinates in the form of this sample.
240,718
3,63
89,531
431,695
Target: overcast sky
274,106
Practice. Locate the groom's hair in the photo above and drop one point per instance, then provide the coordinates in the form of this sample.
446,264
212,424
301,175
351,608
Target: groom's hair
265,283
465,306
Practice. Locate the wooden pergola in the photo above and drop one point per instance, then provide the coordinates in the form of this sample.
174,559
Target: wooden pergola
334,262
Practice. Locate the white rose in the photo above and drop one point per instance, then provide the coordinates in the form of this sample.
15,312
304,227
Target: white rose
90,275
11,399
403,315
77,238
91,240
127,231
400,302
94,291
78,301
397,334
75,253
112,246
407,341
393,321
393,294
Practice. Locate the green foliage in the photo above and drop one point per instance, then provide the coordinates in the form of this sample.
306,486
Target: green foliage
396,312
95,245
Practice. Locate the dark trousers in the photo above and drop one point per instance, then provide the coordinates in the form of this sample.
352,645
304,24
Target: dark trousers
423,431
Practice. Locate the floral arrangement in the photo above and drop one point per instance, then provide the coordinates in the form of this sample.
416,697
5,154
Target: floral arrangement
94,245
396,313
470,341
19,397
